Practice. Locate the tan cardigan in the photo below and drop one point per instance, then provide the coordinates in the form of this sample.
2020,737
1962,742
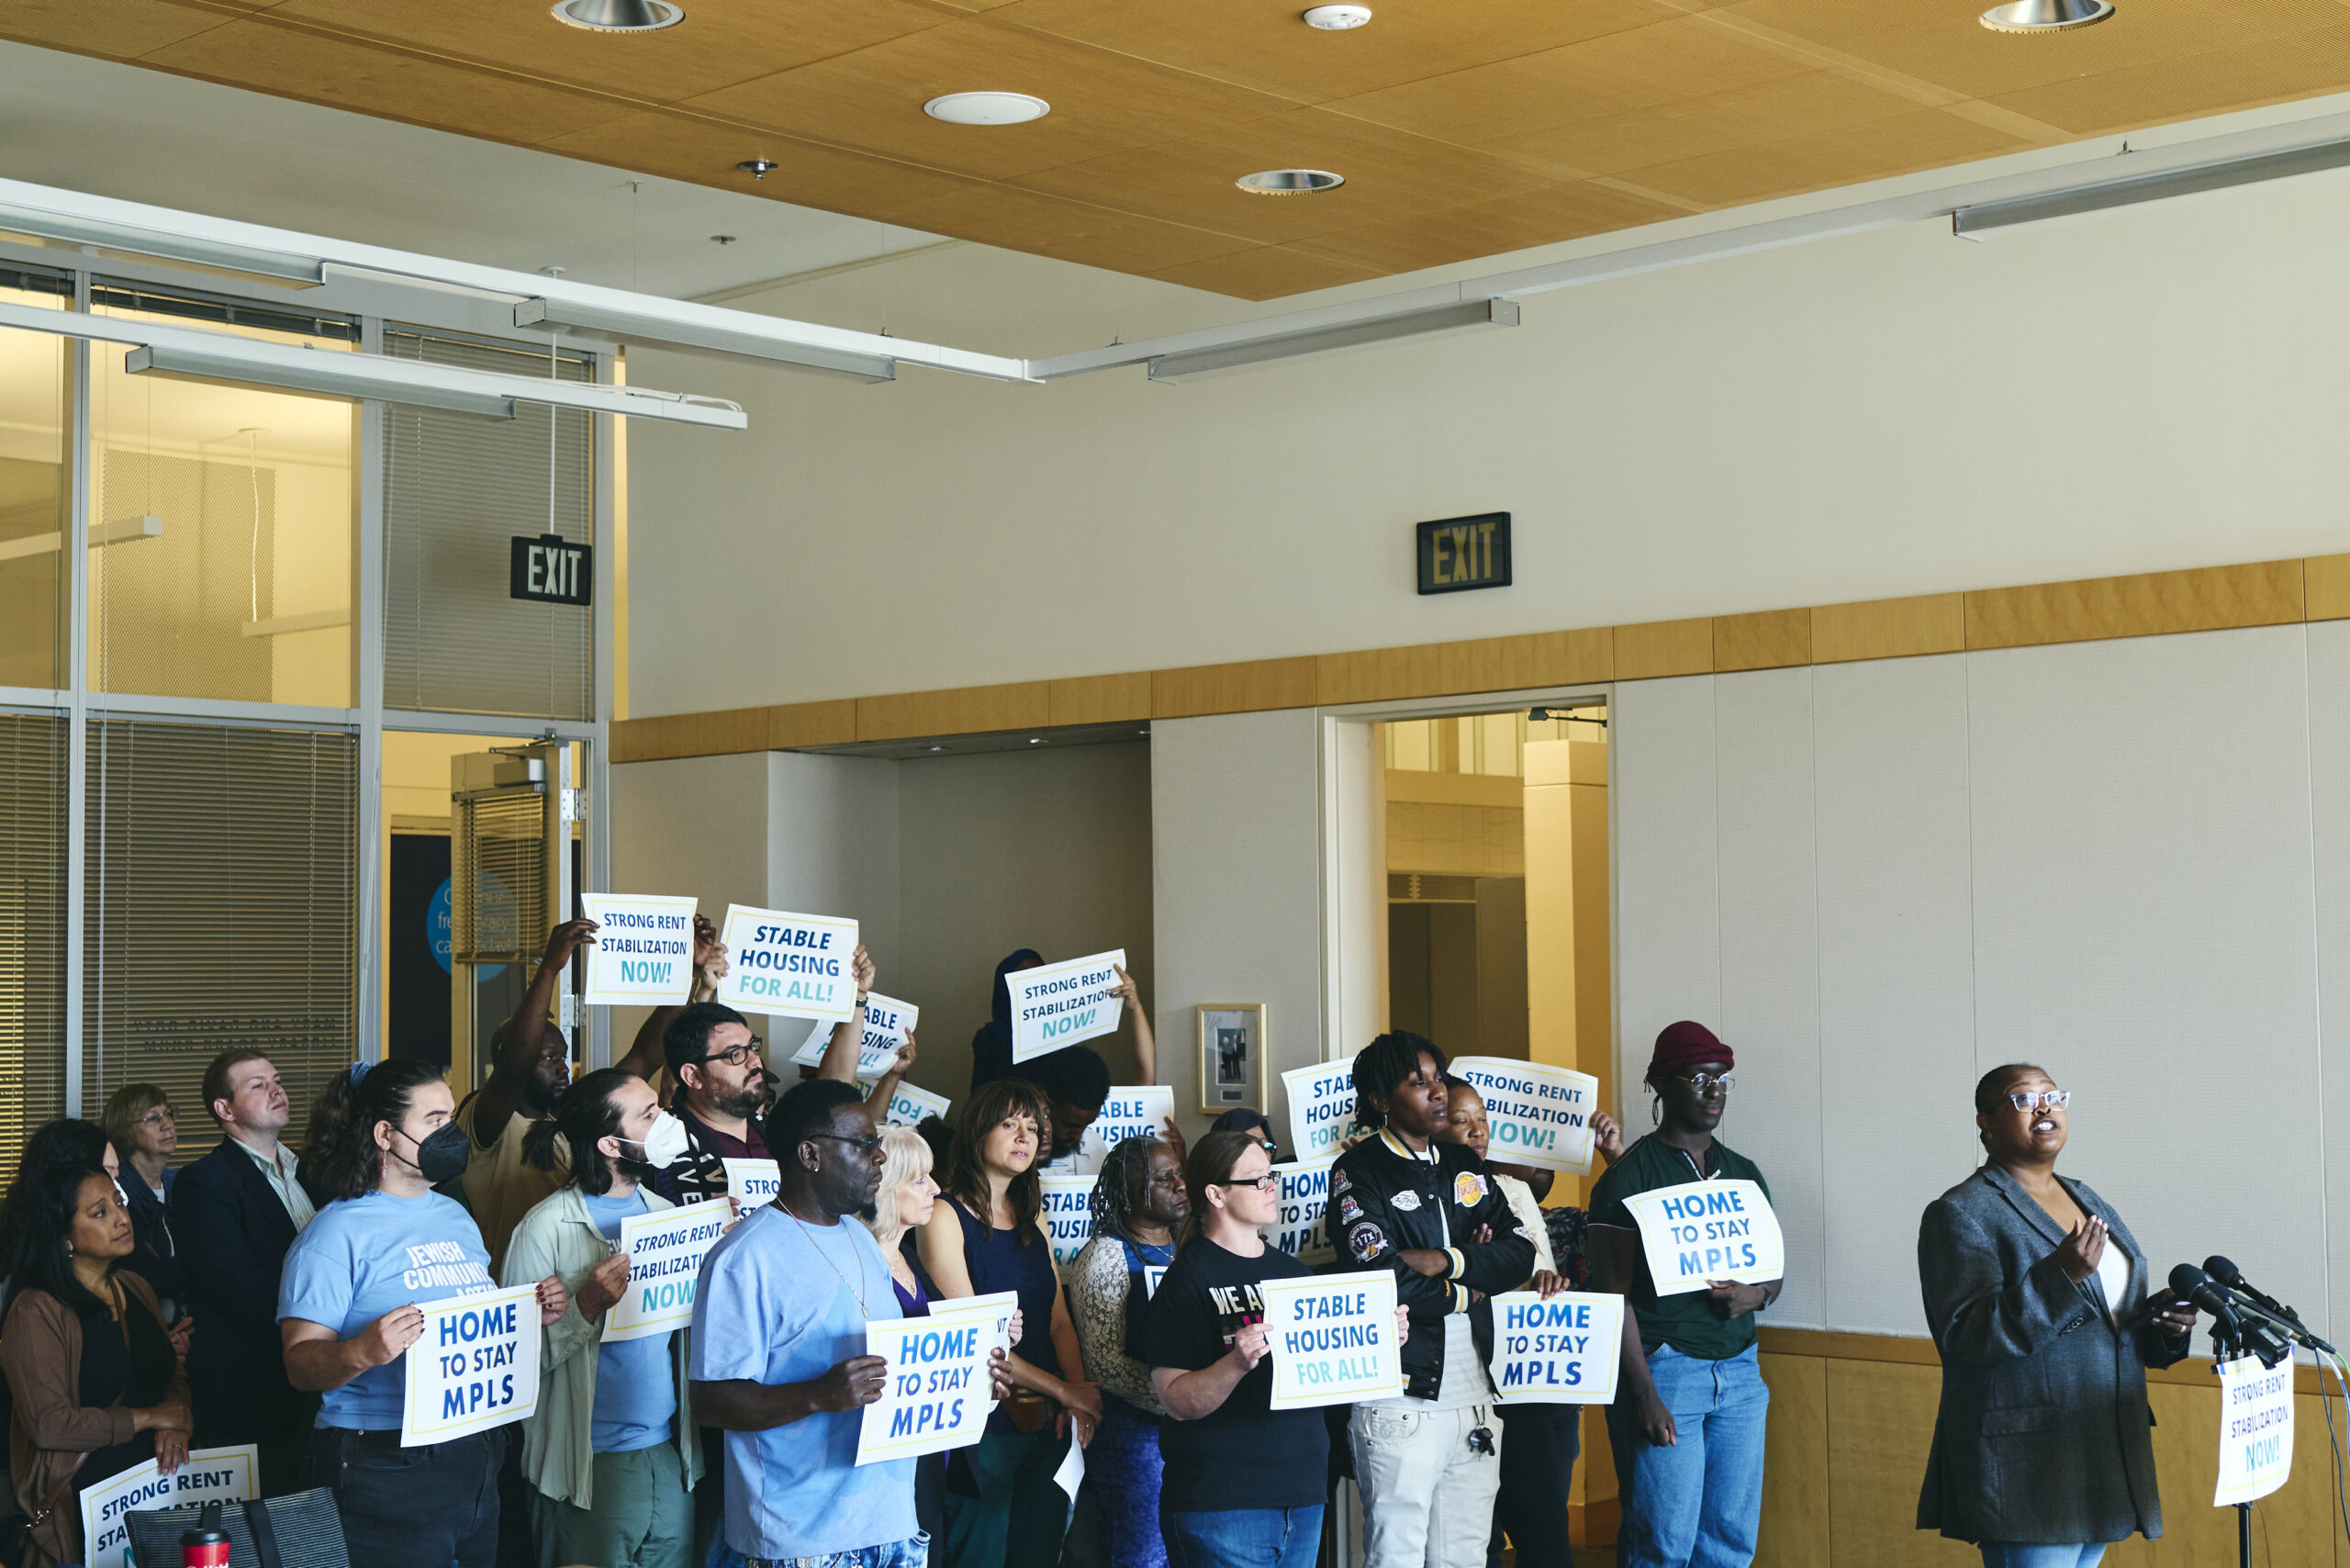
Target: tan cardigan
52,1432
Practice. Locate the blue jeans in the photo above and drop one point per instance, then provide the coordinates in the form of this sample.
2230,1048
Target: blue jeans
1244,1537
910,1553
1699,1503
2022,1554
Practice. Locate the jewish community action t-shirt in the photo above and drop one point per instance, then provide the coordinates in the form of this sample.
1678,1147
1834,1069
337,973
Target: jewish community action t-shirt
1245,1454
365,1257
783,1301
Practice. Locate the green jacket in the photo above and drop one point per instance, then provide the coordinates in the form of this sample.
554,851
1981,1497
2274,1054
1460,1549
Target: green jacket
558,1237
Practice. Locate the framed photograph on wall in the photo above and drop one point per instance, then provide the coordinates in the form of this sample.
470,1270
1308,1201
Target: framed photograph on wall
1231,1056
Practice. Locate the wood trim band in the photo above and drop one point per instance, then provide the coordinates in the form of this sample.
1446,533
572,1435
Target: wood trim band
2209,599
1907,1350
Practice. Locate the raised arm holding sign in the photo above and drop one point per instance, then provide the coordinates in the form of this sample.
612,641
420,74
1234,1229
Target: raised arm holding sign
794,965
1059,1005
644,950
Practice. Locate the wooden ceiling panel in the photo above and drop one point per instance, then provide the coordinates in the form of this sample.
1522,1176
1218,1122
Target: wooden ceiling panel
1261,44
1072,231
705,152
2238,79
119,29
1921,140
1268,271
1721,122
1389,175
1103,102
728,40
327,69
1490,228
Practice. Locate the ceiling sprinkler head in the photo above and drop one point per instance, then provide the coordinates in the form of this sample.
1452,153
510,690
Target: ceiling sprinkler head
757,167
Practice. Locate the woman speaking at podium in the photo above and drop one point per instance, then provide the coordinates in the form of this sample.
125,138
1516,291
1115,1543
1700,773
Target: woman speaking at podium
2036,1296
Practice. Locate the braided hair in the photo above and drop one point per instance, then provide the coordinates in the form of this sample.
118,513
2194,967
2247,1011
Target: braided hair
1120,1189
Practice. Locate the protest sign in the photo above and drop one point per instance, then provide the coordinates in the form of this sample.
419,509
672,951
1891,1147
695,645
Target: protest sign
934,1394
1537,1115
794,965
909,1105
1301,1227
887,1023
210,1475
664,1251
1321,1108
1068,1215
1062,1003
2255,1429
1564,1350
644,950
1333,1339
1138,1112
753,1182
475,1367
1703,1231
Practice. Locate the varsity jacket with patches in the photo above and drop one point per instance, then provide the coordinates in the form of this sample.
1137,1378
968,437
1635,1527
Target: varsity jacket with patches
1385,1200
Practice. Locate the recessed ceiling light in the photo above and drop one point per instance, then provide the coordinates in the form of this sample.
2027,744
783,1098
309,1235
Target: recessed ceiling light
2046,16
1338,18
618,16
1289,182
757,167
986,109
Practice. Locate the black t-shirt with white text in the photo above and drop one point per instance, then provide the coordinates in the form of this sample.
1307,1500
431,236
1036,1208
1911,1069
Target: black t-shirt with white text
1244,1454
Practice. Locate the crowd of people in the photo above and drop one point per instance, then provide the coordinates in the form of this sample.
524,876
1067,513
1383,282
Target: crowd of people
265,1297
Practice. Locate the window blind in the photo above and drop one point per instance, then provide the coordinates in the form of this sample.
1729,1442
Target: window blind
221,908
32,928
457,488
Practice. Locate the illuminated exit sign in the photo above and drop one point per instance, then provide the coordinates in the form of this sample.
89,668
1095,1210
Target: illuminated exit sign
1460,552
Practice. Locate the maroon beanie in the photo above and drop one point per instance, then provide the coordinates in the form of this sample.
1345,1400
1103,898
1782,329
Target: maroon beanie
1680,1046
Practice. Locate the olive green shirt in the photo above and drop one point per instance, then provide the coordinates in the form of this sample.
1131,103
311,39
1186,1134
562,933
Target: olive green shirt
1687,1321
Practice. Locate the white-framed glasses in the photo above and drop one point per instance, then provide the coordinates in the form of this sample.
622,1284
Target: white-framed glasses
2046,1099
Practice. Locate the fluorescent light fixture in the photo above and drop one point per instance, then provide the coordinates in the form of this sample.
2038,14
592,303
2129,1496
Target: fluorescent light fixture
1970,223
638,327
211,364
72,229
1460,316
120,530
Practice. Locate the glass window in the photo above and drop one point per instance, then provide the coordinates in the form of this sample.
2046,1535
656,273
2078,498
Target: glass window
35,493
223,518
32,927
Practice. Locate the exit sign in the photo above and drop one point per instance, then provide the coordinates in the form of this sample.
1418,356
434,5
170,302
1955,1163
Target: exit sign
1460,552
548,569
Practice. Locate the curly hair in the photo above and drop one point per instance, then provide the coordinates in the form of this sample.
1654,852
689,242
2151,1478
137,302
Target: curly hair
1122,1186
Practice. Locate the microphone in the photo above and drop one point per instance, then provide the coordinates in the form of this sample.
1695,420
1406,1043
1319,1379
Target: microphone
2225,1271
2191,1284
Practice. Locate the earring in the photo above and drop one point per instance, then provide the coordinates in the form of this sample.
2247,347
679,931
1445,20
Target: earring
1656,1110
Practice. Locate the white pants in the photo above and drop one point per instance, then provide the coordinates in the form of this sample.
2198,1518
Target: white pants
1428,1501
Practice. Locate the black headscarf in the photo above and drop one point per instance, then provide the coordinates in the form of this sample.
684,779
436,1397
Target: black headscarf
992,1047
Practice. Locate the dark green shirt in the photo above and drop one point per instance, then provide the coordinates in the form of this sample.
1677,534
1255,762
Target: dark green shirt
1686,1321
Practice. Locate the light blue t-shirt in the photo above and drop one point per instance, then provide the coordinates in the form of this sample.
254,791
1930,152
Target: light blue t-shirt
362,1258
781,1301
636,1390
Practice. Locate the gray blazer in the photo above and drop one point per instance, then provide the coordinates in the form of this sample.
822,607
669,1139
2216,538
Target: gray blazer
2044,1435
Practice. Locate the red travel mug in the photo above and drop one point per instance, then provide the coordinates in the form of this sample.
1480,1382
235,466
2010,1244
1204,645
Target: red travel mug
201,1547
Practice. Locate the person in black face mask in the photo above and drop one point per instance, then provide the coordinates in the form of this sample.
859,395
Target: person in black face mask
348,1309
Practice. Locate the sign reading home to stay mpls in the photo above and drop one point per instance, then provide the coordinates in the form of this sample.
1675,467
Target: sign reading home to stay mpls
1460,552
550,569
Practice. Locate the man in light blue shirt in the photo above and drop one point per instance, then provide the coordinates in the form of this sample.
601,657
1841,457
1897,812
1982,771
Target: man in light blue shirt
779,1351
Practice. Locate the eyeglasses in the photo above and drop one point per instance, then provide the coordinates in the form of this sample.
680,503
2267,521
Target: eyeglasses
2046,1099
1264,1184
737,1056
1701,1081
863,1145
160,1116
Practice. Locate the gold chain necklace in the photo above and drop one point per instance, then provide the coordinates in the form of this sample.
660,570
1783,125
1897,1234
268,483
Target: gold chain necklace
809,1232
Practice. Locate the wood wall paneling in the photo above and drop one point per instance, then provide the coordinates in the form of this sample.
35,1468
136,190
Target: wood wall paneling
1795,1527
690,734
1442,669
1099,698
1232,689
1880,1426
1591,655
1888,628
971,710
811,723
2326,588
2266,593
1772,639
1665,647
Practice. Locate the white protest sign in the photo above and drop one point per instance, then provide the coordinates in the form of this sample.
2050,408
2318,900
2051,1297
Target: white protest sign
1062,1003
1704,1231
2255,1429
1301,1227
1537,1115
1564,1350
664,1251
887,1023
935,1394
909,1105
1072,1474
1333,1339
1068,1215
1321,1108
475,1367
210,1475
753,1183
1137,1112
644,950
794,965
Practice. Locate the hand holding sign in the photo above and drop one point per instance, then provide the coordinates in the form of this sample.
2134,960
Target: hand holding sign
1337,1339
1703,1233
794,965
477,1365
644,950
1059,1005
